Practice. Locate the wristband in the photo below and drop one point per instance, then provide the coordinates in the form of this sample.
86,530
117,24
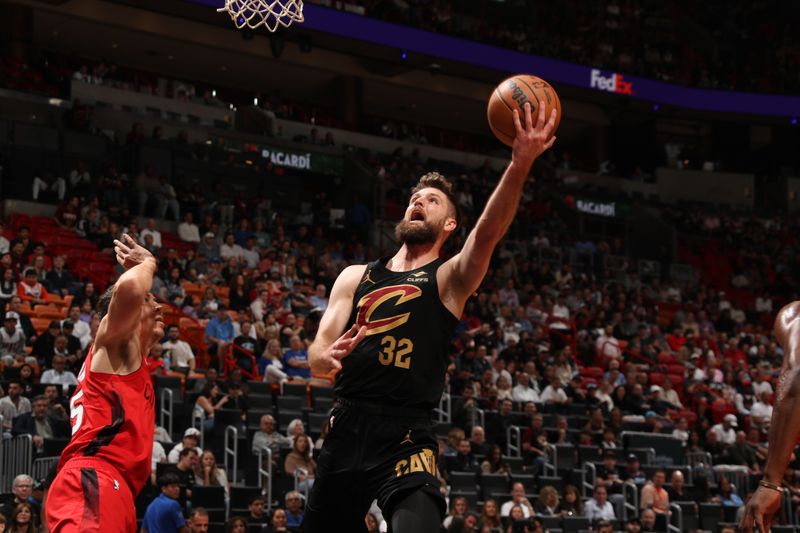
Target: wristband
773,486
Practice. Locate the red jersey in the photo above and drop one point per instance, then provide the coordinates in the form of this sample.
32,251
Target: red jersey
113,419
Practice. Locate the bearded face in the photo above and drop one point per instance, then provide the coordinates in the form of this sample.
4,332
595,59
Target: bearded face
415,232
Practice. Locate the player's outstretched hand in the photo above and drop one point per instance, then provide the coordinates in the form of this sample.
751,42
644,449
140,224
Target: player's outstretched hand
130,253
532,139
760,509
342,348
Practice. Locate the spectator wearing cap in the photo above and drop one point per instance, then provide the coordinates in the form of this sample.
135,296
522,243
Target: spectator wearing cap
29,289
633,470
657,401
12,340
190,439
654,496
219,334
59,375
209,247
608,473
726,430
599,507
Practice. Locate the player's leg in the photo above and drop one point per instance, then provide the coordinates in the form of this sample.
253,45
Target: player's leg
339,495
418,512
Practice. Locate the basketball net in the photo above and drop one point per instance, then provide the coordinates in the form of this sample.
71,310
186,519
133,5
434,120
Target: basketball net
267,13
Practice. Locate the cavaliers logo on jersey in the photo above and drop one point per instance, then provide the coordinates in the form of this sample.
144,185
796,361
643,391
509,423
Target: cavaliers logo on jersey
370,303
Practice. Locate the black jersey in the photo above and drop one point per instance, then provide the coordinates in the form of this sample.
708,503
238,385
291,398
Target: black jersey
403,358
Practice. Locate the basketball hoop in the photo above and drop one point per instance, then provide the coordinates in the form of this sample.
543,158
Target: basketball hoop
269,13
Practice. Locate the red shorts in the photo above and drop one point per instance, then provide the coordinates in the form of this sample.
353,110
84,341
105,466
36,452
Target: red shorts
89,496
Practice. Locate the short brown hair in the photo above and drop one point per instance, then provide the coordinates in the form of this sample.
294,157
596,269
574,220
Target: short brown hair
437,181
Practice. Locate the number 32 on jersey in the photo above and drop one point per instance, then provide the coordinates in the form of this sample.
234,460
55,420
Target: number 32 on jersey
396,352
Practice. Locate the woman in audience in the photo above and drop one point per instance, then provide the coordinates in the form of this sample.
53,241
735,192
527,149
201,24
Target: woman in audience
458,508
208,474
209,401
490,515
239,296
494,464
22,519
271,363
547,503
299,460
515,516
236,524
571,503
726,494
278,521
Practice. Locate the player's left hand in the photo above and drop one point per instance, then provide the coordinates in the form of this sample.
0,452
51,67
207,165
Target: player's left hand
130,253
532,140
760,509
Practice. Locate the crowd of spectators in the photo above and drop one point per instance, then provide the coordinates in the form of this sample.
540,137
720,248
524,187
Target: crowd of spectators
748,48
520,353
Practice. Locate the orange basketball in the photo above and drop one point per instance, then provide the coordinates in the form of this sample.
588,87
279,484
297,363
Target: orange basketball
512,94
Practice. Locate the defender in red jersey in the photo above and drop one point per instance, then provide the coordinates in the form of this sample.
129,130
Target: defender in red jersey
112,413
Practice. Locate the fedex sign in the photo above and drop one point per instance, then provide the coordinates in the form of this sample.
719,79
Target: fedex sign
615,83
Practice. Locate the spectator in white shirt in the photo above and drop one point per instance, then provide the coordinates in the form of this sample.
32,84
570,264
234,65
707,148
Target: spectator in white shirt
761,411
230,249
508,295
260,306
726,430
59,375
179,352
553,393
517,498
190,439
188,230
12,340
522,391
4,244
80,329
761,385
599,507
13,404
151,230
250,253
607,346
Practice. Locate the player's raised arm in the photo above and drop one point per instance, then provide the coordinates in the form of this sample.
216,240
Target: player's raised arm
784,427
331,344
130,290
465,271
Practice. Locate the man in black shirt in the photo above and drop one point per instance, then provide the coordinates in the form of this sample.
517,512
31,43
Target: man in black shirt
59,280
257,515
184,469
244,345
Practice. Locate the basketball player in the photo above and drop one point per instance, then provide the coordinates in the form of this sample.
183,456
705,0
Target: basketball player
784,428
398,315
107,462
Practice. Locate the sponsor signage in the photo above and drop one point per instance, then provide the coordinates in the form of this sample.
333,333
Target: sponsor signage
415,41
590,207
289,158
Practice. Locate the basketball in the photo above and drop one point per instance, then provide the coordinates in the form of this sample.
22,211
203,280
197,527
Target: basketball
512,94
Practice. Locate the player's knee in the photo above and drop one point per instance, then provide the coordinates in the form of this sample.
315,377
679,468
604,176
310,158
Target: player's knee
416,512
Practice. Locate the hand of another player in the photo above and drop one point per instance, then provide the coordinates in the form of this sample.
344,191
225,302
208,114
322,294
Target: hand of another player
760,509
331,358
532,139
130,253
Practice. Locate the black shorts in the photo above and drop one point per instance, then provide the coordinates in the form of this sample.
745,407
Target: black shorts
371,451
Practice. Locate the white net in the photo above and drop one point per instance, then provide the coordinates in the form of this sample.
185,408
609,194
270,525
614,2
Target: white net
267,13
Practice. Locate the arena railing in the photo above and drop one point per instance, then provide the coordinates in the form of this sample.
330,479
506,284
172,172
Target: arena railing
166,410
445,409
198,424
41,467
675,520
513,449
630,508
232,451
589,472
265,476
17,459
